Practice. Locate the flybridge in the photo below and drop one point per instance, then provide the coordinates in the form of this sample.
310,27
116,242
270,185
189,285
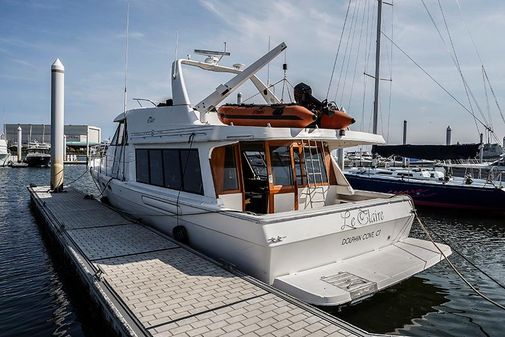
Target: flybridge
180,95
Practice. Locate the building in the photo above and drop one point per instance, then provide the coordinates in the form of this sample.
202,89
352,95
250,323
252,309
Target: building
78,136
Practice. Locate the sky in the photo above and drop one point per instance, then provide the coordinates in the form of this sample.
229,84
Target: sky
89,38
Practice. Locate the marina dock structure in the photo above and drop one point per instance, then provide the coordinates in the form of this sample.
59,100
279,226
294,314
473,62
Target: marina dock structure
147,284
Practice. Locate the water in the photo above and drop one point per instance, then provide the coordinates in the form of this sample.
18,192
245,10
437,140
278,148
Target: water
38,297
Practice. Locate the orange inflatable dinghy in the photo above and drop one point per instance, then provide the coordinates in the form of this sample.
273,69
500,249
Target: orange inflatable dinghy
336,119
277,115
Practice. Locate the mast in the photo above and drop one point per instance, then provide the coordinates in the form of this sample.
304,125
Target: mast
377,65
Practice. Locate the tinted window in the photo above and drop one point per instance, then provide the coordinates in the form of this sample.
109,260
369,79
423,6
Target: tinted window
172,169
230,181
192,176
281,165
142,166
156,167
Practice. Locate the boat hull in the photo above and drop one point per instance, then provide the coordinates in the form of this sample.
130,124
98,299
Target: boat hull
434,194
272,247
38,161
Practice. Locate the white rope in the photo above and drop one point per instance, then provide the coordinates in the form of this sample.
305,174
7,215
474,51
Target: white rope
454,267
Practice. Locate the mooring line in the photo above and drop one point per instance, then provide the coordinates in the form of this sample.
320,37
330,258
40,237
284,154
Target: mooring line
454,267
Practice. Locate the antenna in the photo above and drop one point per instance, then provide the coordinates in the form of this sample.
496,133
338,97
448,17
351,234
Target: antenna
126,57
213,56
176,43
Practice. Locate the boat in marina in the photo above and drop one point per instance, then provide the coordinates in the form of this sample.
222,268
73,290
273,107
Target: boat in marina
269,201
432,188
38,154
4,152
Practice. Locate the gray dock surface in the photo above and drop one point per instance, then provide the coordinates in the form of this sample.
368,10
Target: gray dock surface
150,285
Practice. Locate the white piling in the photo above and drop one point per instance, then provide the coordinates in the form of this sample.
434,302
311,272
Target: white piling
239,98
20,143
57,122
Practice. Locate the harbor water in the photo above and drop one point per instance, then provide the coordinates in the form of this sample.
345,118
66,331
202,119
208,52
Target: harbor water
40,297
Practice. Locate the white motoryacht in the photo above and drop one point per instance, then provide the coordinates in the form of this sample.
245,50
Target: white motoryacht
269,201
38,154
4,152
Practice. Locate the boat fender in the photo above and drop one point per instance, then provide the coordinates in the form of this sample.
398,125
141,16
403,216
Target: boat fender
180,234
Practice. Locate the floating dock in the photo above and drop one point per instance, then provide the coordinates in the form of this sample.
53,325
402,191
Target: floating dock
147,284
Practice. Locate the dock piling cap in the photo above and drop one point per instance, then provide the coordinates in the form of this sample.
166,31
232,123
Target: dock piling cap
57,66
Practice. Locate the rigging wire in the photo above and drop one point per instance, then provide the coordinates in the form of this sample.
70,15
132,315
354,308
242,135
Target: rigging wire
365,66
338,49
360,39
480,59
434,80
346,49
352,35
451,56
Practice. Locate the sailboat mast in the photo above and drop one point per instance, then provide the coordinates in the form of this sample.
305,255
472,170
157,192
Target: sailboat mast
377,66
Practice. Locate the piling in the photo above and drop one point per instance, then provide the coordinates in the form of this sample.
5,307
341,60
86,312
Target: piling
20,143
448,136
481,152
404,132
57,122
404,140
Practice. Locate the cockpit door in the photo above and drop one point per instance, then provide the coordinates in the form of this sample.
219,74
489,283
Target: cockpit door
281,179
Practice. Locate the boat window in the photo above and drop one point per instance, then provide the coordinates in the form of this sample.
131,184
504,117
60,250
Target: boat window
172,169
114,139
224,169
155,167
282,172
142,166
257,163
191,173
314,165
120,136
300,177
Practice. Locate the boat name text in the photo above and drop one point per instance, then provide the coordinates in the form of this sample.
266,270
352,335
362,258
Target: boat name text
363,217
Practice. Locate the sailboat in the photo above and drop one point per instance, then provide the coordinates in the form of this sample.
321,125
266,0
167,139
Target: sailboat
427,187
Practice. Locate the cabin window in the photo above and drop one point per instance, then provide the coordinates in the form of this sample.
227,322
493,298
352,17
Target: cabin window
172,168
282,172
191,173
224,169
314,165
300,177
121,134
155,167
142,166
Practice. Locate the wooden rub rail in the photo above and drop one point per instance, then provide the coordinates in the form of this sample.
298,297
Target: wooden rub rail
150,285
